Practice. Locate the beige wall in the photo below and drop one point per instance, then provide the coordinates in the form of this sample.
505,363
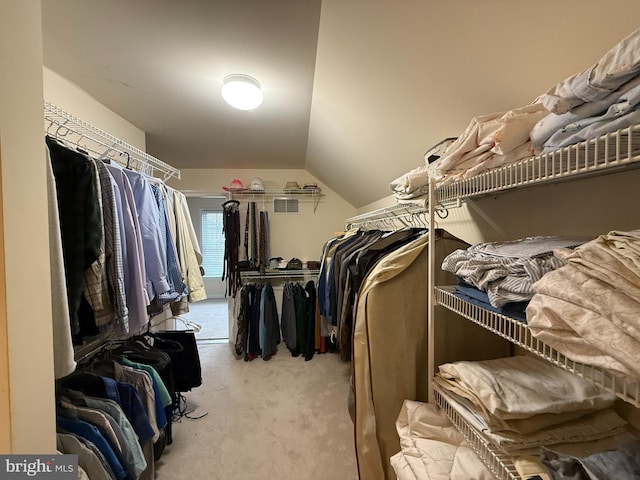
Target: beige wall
5,397
392,79
588,207
28,302
382,203
292,235
27,402
69,97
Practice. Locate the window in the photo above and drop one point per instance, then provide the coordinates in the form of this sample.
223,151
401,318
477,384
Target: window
212,243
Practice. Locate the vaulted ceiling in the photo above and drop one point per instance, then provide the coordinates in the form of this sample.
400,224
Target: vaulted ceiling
355,90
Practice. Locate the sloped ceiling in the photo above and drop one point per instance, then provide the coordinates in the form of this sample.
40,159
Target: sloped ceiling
160,64
356,90
394,78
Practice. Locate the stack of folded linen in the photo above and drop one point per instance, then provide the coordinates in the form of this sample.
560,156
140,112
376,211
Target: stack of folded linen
412,188
507,270
599,100
488,142
588,308
521,403
432,448
602,99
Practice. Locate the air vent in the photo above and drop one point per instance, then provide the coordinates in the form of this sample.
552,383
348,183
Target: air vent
285,205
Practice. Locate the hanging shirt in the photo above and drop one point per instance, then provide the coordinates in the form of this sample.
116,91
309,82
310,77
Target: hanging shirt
96,289
91,433
189,256
113,249
133,454
132,253
154,243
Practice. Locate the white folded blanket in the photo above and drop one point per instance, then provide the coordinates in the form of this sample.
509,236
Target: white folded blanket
523,393
411,181
595,426
432,448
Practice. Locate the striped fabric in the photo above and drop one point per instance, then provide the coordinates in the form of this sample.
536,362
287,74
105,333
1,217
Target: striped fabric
508,270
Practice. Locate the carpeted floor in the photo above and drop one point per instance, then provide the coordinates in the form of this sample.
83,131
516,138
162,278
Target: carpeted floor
281,419
212,315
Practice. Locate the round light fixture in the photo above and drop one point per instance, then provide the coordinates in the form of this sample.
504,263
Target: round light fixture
242,91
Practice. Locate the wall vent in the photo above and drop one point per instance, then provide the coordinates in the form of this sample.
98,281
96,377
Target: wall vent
285,205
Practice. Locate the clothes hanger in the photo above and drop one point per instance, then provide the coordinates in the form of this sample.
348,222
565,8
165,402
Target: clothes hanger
187,323
231,204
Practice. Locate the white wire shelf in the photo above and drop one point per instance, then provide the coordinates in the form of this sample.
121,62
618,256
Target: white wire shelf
304,194
405,214
278,274
284,192
71,129
605,154
519,334
498,463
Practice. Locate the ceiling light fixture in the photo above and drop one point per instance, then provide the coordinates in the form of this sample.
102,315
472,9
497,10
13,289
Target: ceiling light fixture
242,91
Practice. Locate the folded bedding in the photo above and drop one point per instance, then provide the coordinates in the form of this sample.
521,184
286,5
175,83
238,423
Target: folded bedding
589,308
591,103
522,393
616,67
488,141
604,423
621,463
617,117
475,296
432,448
576,118
411,181
507,270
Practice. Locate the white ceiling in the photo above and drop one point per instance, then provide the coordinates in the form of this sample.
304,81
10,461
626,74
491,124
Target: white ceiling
160,64
355,90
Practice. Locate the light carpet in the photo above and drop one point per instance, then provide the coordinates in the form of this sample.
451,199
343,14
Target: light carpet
266,420
212,315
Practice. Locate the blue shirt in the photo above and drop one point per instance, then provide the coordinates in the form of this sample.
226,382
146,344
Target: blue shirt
132,405
91,433
132,255
154,243
133,452
178,288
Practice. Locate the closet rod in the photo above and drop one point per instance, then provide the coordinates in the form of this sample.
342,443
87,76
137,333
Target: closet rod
108,143
398,210
397,218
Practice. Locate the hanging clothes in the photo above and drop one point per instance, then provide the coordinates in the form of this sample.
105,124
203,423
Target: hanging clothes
132,251
154,241
113,253
252,330
96,290
256,236
133,383
231,229
63,355
188,250
263,240
390,347
288,318
269,323
79,217
177,288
